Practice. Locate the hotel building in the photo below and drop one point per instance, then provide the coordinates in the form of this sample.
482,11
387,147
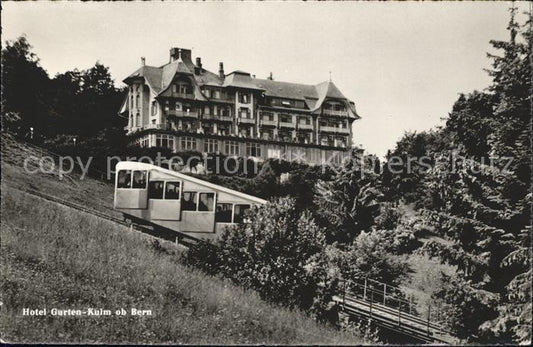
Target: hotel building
183,106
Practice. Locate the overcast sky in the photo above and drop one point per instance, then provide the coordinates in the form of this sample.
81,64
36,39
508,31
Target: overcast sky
402,63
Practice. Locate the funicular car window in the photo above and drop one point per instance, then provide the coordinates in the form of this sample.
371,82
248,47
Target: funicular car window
189,201
172,191
223,213
238,216
124,179
139,179
155,190
206,202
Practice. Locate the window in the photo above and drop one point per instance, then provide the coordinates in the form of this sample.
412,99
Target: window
305,120
124,179
244,98
188,203
211,146
139,180
207,92
217,94
172,190
188,143
268,116
267,134
137,98
232,148
223,213
286,118
238,216
206,202
165,141
244,112
226,112
253,150
184,89
155,190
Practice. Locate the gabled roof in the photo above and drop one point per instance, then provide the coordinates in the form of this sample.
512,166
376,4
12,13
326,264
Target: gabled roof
327,90
160,78
151,74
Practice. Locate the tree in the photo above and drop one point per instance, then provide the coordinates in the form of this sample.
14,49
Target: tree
470,123
349,202
24,85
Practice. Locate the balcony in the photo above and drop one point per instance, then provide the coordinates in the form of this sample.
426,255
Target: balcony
329,112
156,126
336,130
183,95
287,125
305,126
218,118
185,114
246,121
268,123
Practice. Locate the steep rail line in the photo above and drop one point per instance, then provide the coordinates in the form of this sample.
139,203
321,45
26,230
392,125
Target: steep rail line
153,233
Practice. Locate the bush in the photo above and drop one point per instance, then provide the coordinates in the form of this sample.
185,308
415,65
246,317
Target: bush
369,256
278,253
464,307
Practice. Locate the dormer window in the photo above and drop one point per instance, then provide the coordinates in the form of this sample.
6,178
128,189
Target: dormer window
182,87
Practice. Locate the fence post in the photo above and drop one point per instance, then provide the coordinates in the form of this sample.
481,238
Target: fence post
343,295
364,290
429,315
410,302
384,293
371,300
399,314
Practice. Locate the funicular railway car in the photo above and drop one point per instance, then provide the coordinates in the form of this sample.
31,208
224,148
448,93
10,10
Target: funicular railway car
177,202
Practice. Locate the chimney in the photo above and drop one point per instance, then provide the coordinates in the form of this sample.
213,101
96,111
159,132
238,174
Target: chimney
221,70
177,53
143,61
270,77
198,67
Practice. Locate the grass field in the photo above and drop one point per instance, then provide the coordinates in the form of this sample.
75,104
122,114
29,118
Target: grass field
53,256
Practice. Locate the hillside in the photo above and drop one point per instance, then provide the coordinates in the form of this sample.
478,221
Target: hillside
53,256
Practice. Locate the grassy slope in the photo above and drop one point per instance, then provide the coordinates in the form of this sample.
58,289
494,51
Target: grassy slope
89,192
67,259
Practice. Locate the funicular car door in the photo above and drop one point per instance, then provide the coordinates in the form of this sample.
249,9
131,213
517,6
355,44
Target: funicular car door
198,211
131,189
164,196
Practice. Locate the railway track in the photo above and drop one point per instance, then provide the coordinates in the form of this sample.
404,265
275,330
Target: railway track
149,231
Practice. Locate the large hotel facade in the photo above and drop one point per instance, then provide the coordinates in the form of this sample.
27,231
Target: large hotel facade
182,106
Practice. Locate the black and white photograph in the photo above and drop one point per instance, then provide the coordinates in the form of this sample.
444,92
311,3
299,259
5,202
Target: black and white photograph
266,173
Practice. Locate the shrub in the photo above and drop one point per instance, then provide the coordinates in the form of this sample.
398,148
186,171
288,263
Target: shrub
278,253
